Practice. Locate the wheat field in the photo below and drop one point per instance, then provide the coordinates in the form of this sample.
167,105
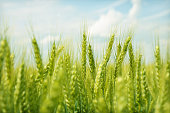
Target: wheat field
66,84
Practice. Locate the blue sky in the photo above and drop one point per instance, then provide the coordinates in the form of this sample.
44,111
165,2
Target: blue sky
66,18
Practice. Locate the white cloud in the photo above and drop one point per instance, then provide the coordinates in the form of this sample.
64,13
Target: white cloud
135,9
131,18
43,15
112,18
102,26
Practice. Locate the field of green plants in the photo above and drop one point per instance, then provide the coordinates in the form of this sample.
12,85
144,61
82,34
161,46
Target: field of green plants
66,84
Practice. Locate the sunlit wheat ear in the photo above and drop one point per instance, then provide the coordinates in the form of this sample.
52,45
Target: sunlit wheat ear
67,67
91,77
59,63
51,63
99,81
165,103
119,47
5,107
132,61
145,90
109,50
38,60
157,66
3,45
32,94
83,55
49,68
121,56
67,100
5,77
105,62
12,57
74,87
83,101
107,83
57,68
138,84
59,50
110,91
130,93
168,61
80,91
5,93
91,61
118,64
70,90
131,77
20,102
8,62
9,72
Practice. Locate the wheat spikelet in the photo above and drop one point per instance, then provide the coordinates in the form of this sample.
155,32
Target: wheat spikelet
5,83
165,103
57,69
5,108
38,60
131,83
8,62
130,94
52,60
119,47
67,100
138,84
100,81
20,101
111,92
145,90
74,87
121,57
132,61
2,55
33,99
118,63
91,61
157,66
83,55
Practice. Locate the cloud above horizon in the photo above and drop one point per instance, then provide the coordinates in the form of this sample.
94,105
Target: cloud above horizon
113,18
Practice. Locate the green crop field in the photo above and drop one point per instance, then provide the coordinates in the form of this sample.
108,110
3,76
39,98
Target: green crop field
65,84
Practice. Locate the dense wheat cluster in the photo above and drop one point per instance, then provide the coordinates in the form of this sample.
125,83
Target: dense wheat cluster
85,85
